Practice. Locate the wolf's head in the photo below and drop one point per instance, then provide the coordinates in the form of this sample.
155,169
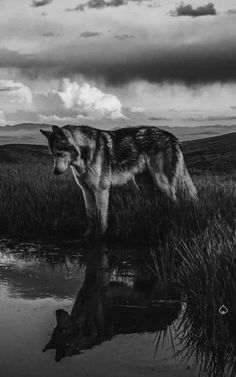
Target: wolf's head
64,149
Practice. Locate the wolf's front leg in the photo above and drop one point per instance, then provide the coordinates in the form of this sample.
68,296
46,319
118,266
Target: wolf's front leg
90,205
102,203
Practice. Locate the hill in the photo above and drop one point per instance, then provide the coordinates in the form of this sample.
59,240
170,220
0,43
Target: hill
215,154
24,153
28,133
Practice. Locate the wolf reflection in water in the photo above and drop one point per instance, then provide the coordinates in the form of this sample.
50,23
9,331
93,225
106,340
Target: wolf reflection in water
105,308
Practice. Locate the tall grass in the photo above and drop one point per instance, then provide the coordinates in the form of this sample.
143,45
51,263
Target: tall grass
35,203
201,261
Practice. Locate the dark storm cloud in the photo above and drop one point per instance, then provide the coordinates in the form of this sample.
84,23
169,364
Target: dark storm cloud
89,34
14,59
188,10
116,65
124,36
98,4
189,64
40,3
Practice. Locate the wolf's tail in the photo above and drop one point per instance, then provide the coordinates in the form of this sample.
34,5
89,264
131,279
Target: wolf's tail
184,183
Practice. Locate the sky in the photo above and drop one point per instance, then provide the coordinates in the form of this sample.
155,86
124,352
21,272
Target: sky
113,63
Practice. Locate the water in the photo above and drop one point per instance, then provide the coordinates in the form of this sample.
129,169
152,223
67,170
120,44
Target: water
112,319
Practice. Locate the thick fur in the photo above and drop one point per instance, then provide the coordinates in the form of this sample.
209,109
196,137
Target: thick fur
100,159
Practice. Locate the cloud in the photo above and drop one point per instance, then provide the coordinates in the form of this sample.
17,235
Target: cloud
98,4
55,119
137,109
201,62
13,58
49,34
84,97
193,64
22,116
40,3
188,10
231,11
124,36
89,34
2,118
9,88
78,8
15,93
214,118
154,5
154,118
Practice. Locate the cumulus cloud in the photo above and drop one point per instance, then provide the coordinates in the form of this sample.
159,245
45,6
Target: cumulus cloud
85,97
188,10
89,34
40,3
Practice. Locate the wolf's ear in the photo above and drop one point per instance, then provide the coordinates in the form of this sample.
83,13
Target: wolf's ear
63,318
58,132
46,133
61,133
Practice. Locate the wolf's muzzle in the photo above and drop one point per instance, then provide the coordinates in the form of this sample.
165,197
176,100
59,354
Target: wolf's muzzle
58,172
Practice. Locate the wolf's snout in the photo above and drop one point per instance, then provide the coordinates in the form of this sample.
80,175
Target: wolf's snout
57,171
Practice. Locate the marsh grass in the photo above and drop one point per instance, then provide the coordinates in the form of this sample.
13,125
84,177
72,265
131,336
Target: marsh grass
35,203
200,259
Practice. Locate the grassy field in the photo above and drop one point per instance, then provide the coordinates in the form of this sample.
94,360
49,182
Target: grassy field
191,247
36,204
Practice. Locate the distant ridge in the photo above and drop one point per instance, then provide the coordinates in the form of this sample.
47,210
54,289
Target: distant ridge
28,133
213,154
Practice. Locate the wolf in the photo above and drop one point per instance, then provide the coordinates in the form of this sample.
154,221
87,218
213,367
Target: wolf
100,159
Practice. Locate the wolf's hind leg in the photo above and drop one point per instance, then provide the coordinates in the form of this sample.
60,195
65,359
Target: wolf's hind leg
159,177
161,181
